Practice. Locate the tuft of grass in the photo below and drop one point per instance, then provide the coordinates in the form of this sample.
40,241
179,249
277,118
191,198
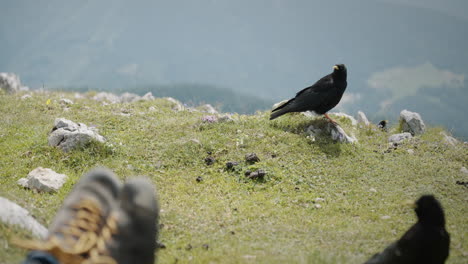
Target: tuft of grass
274,220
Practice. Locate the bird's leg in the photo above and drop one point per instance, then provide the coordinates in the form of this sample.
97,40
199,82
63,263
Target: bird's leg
331,120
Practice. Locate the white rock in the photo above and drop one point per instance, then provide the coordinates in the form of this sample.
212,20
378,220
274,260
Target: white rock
317,206
79,96
226,118
69,135
43,180
410,151
147,97
336,133
398,138
385,217
129,98
362,118
449,139
65,101
10,83
207,108
26,96
176,105
372,190
412,122
13,214
353,121
464,170
109,97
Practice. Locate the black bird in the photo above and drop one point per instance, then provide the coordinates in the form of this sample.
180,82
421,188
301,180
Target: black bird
383,125
426,242
322,96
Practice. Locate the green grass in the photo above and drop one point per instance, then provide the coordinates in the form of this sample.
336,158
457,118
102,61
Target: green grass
243,221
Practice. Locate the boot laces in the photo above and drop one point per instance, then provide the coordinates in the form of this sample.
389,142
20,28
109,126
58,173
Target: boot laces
83,239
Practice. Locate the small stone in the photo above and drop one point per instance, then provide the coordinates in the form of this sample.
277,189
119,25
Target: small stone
231,164
65,101
463,183
318,200
207,108
13,214
161,245
147,97
43,180
129,98
226,118
199,179
188,247
68,135
334,131
398,138
353,121
257,174
176,105
449,140
109,97
252,158
362,118
372,190
209,160
247,173
10,83
205,246
385,217
410,151
26,96
464,170
412,122
317,206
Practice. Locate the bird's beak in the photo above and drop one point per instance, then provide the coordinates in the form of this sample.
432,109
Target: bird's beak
335,67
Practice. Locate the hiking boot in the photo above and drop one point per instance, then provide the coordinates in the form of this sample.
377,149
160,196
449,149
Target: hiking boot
138,224
86,220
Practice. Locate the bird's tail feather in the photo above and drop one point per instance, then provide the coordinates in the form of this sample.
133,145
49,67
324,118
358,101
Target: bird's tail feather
281,110
278,113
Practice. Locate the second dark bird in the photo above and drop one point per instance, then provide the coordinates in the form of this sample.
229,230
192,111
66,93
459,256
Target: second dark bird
426,242
320,98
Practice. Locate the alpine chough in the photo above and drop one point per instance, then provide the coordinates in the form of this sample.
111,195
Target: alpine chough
427,241
322,96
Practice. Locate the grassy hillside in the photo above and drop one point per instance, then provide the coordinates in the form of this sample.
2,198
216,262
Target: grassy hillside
365,186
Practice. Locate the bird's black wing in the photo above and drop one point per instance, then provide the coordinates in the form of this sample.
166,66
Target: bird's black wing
319,86
309,96
313,96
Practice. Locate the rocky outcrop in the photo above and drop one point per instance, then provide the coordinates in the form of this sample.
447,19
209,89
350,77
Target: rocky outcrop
43,180
10,83
412,122
352,119
176,104
335,132
13,214
362,118
398,138
68,135
107,97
